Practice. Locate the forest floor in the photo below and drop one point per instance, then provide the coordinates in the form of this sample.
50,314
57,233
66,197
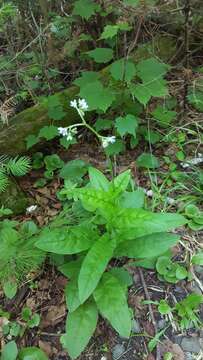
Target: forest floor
44,294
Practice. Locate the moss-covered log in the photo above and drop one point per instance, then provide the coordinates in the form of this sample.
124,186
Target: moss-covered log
30,121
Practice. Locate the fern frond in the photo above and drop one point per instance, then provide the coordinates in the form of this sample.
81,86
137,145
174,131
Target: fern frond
3,180
18,166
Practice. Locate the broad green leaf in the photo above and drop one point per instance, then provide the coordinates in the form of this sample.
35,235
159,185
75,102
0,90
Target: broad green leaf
98,180
126,125
85,8
198,258
31,140
86,77
163,116
109,31
181,273
112,304
103,124
157,88
162,265
133,200
73,170
48,132
55,108
148,161
191,211
97,96
32,353
141,93
10,289
9,351
72,294
67,240
80,326
53,162
122,180
147,246
164,308
71,268
94,265
151,69
101,55
122,275
123,70
116,148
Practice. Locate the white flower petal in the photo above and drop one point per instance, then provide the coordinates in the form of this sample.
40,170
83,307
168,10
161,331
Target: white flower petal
74,104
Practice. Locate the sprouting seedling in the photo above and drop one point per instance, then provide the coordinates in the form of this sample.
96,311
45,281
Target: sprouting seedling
69,132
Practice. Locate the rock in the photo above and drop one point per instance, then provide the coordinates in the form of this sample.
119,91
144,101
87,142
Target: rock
161,324
117,351
14,198
188,356
190,344
135,327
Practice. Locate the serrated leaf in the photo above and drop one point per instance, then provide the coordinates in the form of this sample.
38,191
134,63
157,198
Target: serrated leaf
109,31
112,304
164,116
67,240
98,180
101,55
86,77
94,265
103,124
97,96
116,148
126,125
9,351
141,93
148,161
85,8
55,108
80,326
147,246
151,69
48,132
158,88
31,140
123,70
73,170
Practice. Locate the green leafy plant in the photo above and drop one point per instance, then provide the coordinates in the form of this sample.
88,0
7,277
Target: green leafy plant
115,228
17,166
17,256
32,320
195,217
170,271
10,352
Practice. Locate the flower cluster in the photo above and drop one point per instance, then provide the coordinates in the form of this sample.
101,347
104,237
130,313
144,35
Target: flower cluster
67,132
108,140
81,105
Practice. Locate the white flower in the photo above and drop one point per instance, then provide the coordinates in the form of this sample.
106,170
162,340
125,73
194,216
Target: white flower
149,193
74,104
63,131
195,161
31,209
74,130
108,140
82,104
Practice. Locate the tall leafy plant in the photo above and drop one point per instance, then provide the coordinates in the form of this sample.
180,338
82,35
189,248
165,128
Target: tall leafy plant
114,227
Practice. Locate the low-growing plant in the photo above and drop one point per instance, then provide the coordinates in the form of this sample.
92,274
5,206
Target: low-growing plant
185,311
18,256
170,271
17,166
195,217
11,352
116,227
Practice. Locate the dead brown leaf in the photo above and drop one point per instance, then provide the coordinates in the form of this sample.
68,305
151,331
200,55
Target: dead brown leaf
175,349
46,347
54,316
